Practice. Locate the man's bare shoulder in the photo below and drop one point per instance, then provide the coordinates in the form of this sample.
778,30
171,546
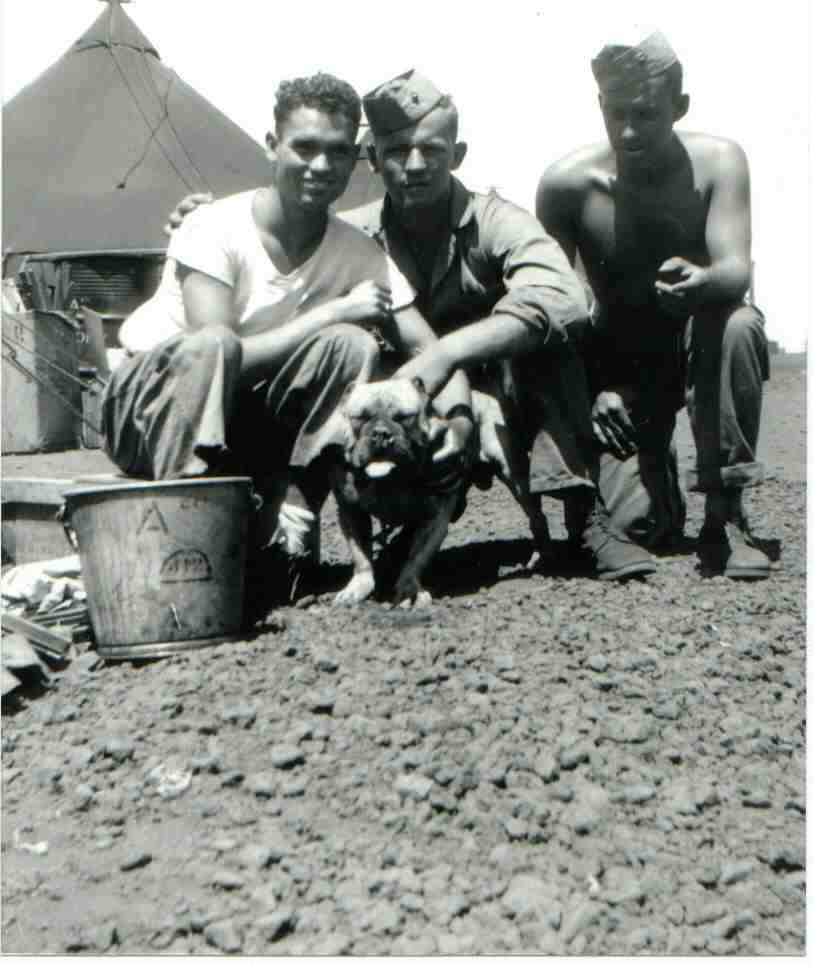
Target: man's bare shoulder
579,168
712,153
367,217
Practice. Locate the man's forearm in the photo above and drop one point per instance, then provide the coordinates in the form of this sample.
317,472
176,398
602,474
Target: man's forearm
268,349
728,280
492,338
456,392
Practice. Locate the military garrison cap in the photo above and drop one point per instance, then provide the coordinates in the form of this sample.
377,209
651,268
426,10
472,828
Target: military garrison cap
618,65
400,102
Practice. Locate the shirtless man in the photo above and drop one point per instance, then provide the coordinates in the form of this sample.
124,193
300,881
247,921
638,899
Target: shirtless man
660,219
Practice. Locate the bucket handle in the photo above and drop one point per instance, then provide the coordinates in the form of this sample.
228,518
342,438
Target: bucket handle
63,516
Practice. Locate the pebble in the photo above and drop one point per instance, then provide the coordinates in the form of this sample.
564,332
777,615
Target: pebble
326,662
757,798
570,758
119,748
705,912
597,662
629,729
243,715
206,762
563,793
410,902
230,881
135,860
286,756
547,767
784,859
638,794
322,701
278,924
261,785
294,789
732,872
232,778
414,787
84,796
708,875
516,829
224,935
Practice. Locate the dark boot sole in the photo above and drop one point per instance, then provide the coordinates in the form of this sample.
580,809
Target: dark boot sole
631,570
747,573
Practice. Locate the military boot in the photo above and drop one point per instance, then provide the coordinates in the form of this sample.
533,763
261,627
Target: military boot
614,554
726,541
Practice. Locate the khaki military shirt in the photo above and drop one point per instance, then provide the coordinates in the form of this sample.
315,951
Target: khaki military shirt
495,259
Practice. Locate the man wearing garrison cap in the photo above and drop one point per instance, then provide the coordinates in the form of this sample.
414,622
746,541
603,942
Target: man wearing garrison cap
499,293
661,222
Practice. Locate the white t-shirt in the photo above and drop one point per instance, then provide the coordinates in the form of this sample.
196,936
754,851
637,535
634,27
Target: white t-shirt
222,240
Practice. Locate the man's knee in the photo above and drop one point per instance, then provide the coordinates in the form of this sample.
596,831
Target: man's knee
745,322
213,341
353,346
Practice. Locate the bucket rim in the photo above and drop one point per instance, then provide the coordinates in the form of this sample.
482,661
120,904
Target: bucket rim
134,486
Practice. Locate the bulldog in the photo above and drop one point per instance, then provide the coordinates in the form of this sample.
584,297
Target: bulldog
389,435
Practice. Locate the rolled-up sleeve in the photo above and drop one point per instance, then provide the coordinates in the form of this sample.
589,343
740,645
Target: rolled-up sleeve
542,288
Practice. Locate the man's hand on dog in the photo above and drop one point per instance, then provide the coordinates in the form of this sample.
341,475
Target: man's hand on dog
456,435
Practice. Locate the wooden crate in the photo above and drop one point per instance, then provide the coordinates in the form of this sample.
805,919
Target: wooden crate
30,528
42,395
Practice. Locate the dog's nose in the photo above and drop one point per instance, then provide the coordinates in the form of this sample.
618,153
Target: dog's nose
381,435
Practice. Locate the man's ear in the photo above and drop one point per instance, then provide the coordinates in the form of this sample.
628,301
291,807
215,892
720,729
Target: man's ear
681,106
271,143
458,154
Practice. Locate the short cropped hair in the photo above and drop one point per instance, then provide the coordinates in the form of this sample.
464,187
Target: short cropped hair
321,91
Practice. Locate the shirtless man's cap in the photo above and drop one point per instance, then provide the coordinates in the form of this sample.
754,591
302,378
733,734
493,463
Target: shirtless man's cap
619,65
400,102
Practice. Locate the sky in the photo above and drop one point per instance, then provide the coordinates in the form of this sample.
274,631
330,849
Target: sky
519,72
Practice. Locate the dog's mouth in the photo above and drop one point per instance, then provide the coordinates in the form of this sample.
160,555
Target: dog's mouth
378,469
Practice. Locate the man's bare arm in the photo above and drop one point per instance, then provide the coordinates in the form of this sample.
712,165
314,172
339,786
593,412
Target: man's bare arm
209,302
726,278
554,209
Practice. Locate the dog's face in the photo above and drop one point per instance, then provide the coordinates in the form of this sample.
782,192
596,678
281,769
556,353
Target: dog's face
388,427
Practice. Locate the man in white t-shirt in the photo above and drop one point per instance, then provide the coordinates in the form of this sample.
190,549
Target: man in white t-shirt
261,321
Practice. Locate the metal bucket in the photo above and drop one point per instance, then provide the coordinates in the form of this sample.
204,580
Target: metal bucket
163,563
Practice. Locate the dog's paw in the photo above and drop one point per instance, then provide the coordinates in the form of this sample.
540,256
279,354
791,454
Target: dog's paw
422,599
409,593
359,589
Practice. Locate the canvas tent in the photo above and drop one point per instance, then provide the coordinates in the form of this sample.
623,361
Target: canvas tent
103,144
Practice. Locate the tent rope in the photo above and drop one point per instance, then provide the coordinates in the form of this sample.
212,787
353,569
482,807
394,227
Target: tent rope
152,129
164,101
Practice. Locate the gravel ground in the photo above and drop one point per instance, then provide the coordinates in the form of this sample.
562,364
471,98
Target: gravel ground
537,765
